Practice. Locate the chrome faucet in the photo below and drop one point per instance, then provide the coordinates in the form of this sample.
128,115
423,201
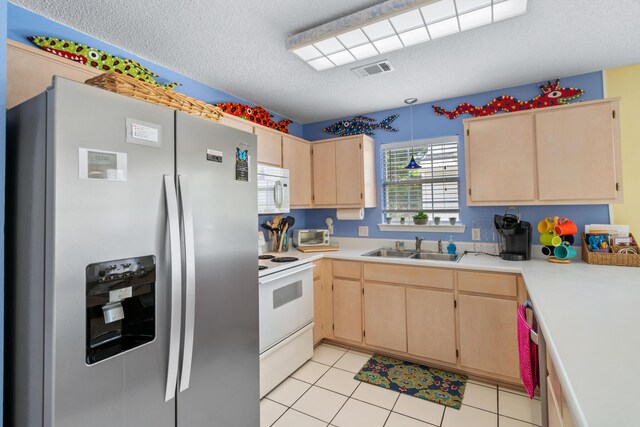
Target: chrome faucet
439,246
418,243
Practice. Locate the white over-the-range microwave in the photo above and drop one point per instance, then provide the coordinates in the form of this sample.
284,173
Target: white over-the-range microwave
273,190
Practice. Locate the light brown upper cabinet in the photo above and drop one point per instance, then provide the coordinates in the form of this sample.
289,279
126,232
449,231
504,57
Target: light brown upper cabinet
344,172
498,156
236,123
30,70
569,154
269,146
296,156
269,140
324,173
579,153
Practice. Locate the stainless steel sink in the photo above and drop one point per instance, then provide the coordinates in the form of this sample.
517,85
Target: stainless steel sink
432,256
389,253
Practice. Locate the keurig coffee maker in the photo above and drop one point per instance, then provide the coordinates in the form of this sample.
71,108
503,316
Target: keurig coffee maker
514,236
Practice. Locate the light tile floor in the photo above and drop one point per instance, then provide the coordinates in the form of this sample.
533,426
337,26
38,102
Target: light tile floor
323,393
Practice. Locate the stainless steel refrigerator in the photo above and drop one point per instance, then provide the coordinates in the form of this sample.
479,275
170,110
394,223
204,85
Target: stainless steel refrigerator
132,287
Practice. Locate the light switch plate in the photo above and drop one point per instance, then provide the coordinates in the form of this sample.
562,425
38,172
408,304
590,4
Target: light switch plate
363,231
475,234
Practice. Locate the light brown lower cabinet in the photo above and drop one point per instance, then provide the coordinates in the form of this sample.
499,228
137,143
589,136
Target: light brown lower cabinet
385,316
347,309
431,324
447,318
488,337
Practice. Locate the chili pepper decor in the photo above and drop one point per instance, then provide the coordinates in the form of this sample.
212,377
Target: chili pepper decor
552,94
98,59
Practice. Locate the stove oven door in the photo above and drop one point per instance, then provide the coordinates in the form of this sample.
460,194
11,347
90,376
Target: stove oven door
286,304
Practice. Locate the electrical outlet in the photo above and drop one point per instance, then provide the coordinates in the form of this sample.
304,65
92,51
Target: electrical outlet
475,234
363,231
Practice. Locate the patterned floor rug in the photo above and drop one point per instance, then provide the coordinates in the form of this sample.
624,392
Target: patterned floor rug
445,388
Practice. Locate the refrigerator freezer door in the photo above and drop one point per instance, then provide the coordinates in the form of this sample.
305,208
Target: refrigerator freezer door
223,388
100,219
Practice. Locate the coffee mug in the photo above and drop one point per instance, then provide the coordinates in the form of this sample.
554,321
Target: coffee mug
546,239
564,251
545,225
565,227
547,250
569,238
556,241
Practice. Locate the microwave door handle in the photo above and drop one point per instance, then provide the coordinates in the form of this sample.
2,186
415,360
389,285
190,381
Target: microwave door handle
190,280
277,193
176,286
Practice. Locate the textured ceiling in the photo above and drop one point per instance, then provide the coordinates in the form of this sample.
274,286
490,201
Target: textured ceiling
238,47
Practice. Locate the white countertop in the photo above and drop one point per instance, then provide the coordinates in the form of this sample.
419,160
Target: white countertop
587,314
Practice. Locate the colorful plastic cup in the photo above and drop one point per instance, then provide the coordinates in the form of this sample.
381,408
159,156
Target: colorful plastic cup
547,250
545,225
546,239
565,227
564,252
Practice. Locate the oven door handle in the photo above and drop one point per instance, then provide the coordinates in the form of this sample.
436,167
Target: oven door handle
277,276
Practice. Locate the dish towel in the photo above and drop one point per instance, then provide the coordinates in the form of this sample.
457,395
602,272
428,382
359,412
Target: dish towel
529,369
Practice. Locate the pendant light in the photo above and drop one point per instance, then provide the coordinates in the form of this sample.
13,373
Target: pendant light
412,163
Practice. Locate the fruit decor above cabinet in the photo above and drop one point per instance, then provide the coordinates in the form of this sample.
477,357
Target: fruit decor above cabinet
568,154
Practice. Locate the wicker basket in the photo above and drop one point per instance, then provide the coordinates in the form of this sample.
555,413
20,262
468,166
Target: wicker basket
624,260
128,86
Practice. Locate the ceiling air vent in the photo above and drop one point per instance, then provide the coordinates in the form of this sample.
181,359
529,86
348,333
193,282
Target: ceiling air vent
373,69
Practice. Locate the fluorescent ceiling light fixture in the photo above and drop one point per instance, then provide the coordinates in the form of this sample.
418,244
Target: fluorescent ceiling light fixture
363,52
407,21
477,18
353,38
321,64
388,44
416,36
341,58
443,28
394,24
466,5
508,9
437,11
379,30
329,46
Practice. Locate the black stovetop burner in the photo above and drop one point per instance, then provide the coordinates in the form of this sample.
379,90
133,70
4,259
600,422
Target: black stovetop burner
266,257
262,267
285,259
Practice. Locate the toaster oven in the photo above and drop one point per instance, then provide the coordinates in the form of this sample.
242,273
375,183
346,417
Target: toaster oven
312,237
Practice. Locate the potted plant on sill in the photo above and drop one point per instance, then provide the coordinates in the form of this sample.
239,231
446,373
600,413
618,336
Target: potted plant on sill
436,220
421,218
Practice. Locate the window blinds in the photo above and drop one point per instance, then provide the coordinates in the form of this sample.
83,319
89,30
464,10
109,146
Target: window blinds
433,189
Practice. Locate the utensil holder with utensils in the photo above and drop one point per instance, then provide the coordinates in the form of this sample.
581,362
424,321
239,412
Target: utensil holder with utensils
278,229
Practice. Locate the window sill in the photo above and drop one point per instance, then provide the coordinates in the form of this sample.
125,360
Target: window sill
430,228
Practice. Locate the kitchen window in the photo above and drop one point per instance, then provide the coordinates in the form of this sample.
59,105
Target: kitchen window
434,189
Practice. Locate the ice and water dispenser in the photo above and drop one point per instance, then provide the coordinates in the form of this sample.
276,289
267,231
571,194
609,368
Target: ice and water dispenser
121,312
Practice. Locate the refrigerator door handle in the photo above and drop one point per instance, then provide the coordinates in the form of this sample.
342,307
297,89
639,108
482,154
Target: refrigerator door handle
190,280
176,286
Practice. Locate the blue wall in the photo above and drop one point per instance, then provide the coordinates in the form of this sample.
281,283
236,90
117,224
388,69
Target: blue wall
428,125
3,106
23,23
